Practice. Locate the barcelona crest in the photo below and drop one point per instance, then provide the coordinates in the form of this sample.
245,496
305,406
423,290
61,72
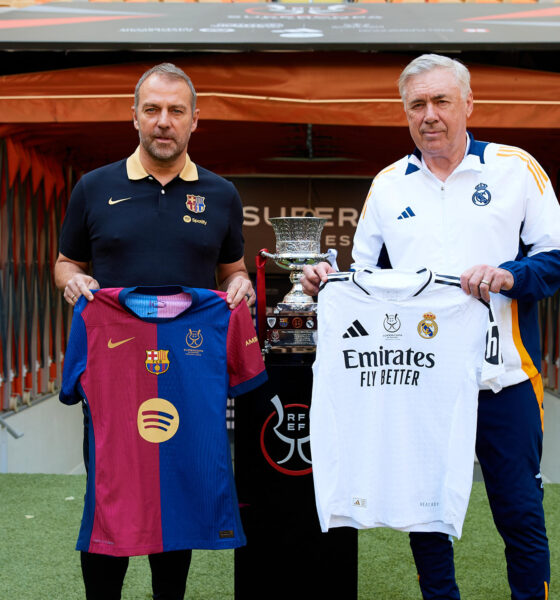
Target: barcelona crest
195,203
157,361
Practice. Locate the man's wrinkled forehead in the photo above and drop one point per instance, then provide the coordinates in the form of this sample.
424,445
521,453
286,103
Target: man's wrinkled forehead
434,85
157,82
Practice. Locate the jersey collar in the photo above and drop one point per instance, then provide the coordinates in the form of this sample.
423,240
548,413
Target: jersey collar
473,159
155,291
391,284
135,170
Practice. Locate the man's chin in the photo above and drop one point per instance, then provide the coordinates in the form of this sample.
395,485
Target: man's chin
163,154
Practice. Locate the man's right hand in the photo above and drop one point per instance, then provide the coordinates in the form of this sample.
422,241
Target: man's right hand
314,275
78,285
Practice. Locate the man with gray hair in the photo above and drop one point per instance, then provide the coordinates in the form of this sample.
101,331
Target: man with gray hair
486,213
153,219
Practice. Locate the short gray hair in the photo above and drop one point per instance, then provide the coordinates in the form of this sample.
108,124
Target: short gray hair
165,70
428,62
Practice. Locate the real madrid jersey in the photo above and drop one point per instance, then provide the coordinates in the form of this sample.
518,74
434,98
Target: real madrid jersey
400,356
154,367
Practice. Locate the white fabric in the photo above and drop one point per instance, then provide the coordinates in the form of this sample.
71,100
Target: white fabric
393,444
450,233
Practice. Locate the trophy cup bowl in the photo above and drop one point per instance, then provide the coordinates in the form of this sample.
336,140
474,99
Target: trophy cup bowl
298,243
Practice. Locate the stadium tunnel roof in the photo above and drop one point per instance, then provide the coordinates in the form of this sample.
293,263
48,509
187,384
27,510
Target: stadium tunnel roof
332,113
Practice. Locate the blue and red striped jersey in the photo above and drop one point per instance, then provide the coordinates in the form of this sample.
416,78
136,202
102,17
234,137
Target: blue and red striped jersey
154,368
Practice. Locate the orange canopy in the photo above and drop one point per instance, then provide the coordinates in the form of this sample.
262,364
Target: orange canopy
327,88
261,104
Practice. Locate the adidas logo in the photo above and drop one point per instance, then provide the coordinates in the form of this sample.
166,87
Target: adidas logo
406,214
355,330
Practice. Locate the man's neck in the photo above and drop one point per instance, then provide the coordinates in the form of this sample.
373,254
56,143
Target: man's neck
443,166
163,171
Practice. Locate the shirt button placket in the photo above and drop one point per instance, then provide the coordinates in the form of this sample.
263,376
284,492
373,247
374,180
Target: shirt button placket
445,227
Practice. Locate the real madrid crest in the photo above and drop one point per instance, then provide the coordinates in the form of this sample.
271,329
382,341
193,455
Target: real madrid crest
427,328
482,196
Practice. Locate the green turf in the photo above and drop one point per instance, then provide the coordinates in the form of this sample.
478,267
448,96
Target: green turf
386,568
38,560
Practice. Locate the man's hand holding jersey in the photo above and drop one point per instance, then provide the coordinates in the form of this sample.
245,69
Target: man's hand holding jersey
314,275
480,280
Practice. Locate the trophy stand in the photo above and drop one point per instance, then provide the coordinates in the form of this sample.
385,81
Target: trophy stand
293,327
287,555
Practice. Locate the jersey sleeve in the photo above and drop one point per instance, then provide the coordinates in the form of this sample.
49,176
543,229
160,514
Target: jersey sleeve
232,248
536,270
492,367
74,240
75,360
245,363
368,240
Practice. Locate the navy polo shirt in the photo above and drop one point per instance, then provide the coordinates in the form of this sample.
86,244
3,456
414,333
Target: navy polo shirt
137,232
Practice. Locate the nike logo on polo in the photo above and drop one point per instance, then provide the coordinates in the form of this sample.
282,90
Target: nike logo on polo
111,344
111,201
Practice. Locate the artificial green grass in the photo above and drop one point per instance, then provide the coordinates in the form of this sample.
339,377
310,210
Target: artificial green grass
39,525
387,572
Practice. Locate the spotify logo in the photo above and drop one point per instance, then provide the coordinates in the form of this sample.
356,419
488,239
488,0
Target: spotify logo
158,420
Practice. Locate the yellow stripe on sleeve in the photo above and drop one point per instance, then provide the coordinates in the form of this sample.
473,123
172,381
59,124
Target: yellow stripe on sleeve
362,216
534,168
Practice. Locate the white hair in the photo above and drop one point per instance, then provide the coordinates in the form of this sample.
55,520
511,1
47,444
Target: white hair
428,62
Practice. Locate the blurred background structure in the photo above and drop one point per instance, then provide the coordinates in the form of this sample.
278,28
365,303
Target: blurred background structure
299,107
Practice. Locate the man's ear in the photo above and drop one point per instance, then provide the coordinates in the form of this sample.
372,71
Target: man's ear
194,124
134,118
470,104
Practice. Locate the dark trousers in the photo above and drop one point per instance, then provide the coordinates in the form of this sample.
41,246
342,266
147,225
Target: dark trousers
509,448
104,575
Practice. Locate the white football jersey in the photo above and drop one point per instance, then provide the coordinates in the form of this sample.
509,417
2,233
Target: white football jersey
400,357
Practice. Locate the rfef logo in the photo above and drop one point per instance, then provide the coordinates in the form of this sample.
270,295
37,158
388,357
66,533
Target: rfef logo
285,438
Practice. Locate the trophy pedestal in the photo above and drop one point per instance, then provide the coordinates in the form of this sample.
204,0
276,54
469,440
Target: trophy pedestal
287,555
291,331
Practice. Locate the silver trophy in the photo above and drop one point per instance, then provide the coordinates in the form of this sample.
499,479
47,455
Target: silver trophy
298,243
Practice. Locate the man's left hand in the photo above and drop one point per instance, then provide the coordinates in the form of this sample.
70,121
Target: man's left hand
239,289
480,280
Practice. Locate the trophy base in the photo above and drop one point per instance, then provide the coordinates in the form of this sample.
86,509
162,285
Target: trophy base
291,331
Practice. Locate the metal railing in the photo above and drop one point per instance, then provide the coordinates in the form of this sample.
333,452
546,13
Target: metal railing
33,318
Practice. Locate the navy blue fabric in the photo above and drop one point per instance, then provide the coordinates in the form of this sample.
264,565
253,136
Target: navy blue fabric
433,556
509,448
536,277
477,148
148,236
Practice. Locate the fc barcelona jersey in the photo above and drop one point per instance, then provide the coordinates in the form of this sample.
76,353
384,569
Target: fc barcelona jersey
154,368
